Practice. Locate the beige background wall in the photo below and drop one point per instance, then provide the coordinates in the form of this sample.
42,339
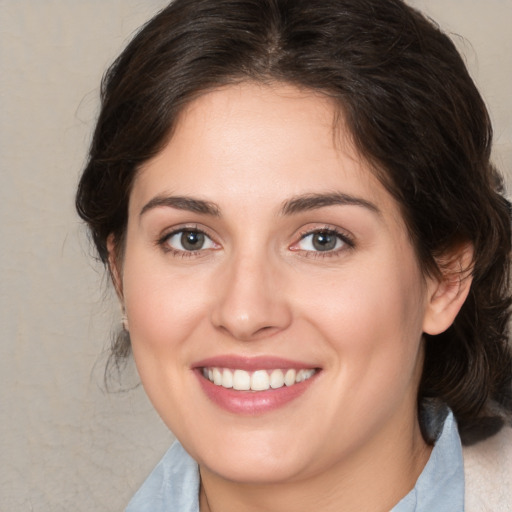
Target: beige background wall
64,443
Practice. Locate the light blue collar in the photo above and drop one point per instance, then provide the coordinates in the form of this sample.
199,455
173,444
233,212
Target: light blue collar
173,486
440,487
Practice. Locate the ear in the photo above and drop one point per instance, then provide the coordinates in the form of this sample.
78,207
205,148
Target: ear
447,294
114,267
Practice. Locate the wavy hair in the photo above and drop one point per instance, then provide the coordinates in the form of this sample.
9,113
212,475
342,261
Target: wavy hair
413,111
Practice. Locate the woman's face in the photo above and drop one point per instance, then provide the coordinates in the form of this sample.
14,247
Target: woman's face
262,251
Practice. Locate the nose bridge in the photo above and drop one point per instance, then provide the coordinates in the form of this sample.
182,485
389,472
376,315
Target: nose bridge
251,303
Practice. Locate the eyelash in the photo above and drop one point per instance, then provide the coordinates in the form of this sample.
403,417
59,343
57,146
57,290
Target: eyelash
163,242
347,241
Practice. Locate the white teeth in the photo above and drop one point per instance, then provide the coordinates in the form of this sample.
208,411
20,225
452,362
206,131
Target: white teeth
289,377
241,380
309,373
217,377
259,380
227,378
276,379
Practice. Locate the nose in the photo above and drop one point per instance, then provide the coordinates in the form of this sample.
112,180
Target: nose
250,302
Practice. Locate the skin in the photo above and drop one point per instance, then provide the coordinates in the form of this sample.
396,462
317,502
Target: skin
258,286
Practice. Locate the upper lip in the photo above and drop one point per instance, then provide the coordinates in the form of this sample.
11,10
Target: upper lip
251,363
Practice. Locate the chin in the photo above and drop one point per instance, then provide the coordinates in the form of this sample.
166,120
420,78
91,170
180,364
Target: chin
254,471
259,460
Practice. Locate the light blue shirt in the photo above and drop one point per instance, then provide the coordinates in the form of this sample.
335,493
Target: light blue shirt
173,486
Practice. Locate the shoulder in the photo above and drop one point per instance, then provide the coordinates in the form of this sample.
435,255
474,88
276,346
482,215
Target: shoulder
488,473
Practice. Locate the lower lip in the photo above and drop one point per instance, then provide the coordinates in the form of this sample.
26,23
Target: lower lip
252,402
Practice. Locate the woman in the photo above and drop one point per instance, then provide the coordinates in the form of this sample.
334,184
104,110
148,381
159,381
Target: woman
297,208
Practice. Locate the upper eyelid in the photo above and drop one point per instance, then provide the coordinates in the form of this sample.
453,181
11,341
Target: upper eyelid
324,230
342,233
166,233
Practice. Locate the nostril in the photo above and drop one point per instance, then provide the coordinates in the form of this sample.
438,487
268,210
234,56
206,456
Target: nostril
248,334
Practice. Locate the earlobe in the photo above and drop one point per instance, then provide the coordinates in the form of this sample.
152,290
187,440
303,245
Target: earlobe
115,271
447,294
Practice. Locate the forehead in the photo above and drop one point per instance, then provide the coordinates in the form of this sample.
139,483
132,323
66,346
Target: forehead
250,142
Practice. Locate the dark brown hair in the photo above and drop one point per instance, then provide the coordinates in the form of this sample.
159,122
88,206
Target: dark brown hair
413,112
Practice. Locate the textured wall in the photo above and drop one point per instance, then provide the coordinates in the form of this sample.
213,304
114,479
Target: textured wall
64,443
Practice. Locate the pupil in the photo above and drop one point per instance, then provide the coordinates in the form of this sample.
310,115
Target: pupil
192,240
324,241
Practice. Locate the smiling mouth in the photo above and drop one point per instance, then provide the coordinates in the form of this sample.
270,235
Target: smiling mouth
259,380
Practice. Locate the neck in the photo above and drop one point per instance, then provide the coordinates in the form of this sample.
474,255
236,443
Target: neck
373,478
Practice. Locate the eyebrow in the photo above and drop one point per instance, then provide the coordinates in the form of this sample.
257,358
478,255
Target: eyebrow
182,203
308,202
298,204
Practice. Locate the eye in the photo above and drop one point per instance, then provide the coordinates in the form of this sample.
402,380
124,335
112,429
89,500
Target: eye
325,240
188,240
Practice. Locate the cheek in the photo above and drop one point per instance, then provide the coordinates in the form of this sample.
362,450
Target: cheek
162,306
372,318
164,313
357,301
